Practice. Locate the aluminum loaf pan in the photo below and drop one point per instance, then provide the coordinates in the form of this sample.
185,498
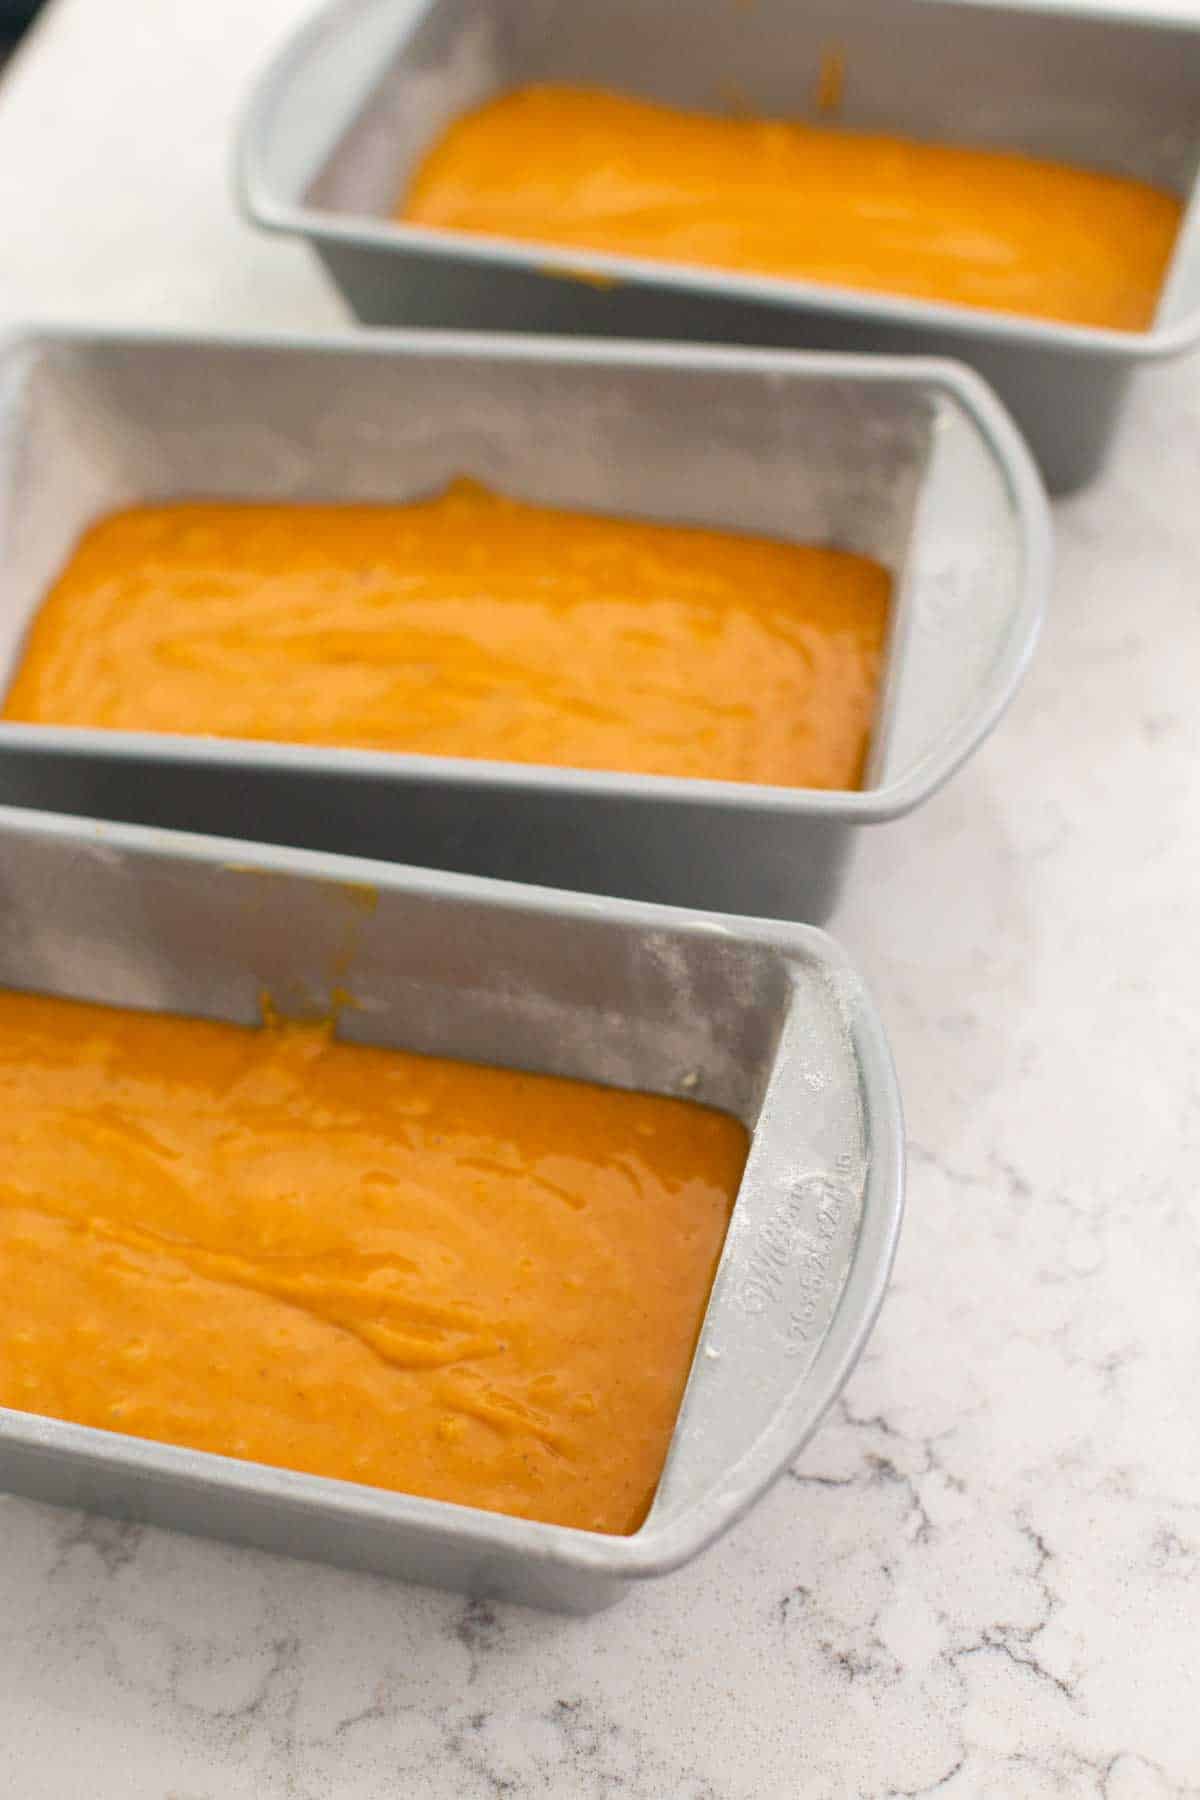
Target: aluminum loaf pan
766,1021
340,119
913,463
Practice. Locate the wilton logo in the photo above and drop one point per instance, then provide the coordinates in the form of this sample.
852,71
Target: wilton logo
793,1250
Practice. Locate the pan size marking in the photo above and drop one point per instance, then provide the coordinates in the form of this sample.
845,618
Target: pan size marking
793,1258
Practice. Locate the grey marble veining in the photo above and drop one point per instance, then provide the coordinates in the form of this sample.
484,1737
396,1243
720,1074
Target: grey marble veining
983,1578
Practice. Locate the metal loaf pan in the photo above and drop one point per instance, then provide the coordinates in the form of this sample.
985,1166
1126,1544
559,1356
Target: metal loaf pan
915,464
339,120
767,1021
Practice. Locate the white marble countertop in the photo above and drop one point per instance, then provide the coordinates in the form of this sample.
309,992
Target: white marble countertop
983,1578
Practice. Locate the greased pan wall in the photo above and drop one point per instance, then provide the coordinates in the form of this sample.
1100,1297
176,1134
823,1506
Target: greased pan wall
767,1021
340,119
913,463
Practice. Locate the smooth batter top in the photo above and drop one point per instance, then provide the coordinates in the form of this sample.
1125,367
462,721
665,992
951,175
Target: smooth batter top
468,625
451,1280
989,228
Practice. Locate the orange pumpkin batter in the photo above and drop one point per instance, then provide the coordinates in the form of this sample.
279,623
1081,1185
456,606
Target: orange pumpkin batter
468,625
451,1280
590,170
